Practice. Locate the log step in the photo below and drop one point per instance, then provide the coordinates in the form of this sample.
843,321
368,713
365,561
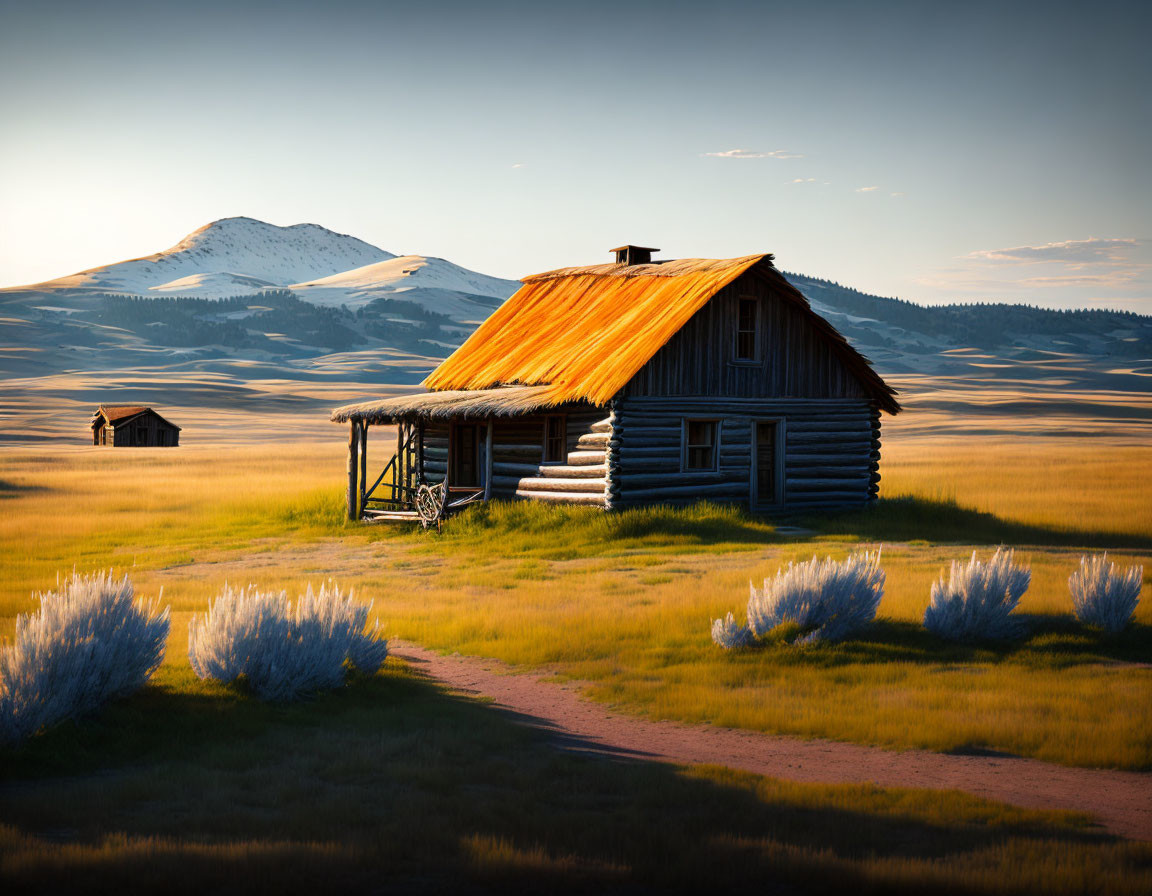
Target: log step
604,425
584,458
558,485
589,471
595,441
563,497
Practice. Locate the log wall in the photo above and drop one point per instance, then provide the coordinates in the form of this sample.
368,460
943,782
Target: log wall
154,431
830,458
518,469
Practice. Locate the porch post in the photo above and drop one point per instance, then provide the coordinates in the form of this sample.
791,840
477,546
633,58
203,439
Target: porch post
488,461
363,463
420,477
353,444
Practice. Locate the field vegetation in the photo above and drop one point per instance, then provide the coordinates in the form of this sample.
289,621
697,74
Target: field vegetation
392,778
624,601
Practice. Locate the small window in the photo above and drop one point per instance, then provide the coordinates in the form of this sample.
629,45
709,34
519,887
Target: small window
747,319
141,436
700,445
555,439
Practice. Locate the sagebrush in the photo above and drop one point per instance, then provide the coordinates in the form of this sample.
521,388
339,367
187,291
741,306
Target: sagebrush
89,643
826,599
1104,595
978,599
730,634
284,650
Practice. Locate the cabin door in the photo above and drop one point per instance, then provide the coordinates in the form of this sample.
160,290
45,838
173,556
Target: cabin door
767,464
465,469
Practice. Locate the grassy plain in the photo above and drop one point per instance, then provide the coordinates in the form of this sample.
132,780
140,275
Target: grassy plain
624,601
190,783
393,785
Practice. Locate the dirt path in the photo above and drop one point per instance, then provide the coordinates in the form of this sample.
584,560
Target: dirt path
1120,801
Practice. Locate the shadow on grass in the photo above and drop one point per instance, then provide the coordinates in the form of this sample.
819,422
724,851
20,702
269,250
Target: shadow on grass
393,783
531,528
1045,641
921,519
534,529
10,489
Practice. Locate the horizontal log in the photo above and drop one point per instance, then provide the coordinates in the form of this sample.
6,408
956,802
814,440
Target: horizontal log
593,440
817,455
858,428
806,438
553,485
585,458
631,481
588,471
702,491
823,486
826,472
508,448
596,500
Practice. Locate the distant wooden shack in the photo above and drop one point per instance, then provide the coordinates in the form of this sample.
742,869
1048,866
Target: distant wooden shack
132,426
635,383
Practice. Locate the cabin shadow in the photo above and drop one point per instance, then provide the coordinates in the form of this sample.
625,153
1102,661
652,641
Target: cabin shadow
1043,640
429,789
923,519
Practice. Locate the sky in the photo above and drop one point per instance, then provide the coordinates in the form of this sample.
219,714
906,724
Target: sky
929,151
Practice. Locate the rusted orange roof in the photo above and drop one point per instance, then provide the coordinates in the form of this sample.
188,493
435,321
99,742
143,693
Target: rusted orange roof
585,332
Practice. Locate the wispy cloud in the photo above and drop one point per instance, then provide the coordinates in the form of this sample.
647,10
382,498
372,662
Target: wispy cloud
867,189
1073,252
753,154
898,195
802,180
517,164
1094,269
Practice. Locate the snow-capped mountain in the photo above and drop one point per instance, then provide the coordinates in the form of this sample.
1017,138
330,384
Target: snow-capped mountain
225,258
405,277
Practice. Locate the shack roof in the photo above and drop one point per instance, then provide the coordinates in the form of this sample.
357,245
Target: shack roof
122,413
582,333
502,401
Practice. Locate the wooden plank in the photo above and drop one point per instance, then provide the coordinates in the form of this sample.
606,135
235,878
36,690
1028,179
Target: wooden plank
488,461
363,463
353,443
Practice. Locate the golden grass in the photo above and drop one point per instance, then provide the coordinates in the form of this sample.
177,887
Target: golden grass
624,600
392,784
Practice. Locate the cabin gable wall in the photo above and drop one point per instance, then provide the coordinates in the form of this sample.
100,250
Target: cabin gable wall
823,427
792,359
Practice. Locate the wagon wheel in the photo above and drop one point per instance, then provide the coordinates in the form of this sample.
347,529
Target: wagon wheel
430,503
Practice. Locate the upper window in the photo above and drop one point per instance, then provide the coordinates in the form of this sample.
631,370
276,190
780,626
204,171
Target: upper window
555,439
700,445
747,330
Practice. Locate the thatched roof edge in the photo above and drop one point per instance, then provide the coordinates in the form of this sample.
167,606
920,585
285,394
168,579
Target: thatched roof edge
500,401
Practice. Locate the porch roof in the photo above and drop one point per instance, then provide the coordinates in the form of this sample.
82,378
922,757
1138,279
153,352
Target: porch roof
500,401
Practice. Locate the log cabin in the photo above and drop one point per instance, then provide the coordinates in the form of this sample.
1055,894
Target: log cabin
630,383
132,426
